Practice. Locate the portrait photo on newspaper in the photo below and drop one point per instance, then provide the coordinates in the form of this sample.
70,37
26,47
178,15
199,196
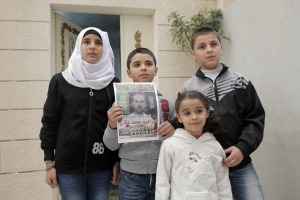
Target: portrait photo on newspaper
140,111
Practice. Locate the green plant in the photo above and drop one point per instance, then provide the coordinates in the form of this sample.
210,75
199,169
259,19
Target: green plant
181,30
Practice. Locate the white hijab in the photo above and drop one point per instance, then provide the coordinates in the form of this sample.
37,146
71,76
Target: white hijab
85,75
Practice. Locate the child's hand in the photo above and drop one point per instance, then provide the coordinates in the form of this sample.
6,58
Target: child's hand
114,114
51,178
234,158
165,130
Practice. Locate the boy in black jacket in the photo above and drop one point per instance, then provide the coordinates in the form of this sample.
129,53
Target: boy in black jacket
234,99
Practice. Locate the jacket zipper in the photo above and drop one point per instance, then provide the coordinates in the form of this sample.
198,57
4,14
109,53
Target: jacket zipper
91,93
217,95
216,92
216,89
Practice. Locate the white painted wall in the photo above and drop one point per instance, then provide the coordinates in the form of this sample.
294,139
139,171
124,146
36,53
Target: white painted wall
264,46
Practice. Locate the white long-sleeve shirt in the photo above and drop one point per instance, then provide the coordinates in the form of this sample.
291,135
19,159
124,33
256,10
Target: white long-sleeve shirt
190,168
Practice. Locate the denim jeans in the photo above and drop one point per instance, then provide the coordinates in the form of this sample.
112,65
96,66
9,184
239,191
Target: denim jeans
89,186
245,184
136,186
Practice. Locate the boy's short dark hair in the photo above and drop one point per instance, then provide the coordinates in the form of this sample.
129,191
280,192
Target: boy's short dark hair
140,50
203,31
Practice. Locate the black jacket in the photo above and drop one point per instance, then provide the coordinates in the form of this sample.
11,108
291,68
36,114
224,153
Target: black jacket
235,101
74,121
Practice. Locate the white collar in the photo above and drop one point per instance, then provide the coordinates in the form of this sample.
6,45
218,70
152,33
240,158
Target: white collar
212,73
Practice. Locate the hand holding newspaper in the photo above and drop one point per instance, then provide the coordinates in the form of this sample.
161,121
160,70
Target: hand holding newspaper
140,111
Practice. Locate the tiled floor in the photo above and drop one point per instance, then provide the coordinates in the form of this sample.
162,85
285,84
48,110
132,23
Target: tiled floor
114,194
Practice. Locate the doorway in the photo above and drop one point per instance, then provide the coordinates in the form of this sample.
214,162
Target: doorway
69,24
123,24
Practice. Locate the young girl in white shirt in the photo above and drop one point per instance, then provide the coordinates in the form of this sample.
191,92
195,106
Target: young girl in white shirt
190,162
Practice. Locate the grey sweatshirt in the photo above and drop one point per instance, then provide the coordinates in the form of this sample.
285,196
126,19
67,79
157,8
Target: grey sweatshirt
140,157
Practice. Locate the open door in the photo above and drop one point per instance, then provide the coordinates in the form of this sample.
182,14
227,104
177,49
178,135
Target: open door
136,31
66,33
65,39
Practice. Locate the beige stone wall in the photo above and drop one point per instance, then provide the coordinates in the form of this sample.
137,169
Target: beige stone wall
25,64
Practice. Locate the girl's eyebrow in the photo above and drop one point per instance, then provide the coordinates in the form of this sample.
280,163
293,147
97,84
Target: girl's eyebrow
90,39
198,107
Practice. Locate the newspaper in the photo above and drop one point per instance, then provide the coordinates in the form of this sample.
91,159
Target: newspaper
140,111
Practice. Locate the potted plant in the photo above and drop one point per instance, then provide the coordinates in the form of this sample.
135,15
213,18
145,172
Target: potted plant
182,30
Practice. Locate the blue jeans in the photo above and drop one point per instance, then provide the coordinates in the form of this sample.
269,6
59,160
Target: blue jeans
136,186
89,186
245,184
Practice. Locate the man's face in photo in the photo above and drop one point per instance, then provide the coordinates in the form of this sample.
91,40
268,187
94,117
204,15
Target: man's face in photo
138,103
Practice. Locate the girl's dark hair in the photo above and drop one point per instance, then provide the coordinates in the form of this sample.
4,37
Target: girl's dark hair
140,50
92,31
213,124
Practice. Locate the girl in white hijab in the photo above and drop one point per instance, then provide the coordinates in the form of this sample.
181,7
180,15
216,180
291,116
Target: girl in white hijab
82,74
74,120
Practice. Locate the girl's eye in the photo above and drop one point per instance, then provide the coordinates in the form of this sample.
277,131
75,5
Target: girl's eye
99,42
136,65
186,113
199,111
